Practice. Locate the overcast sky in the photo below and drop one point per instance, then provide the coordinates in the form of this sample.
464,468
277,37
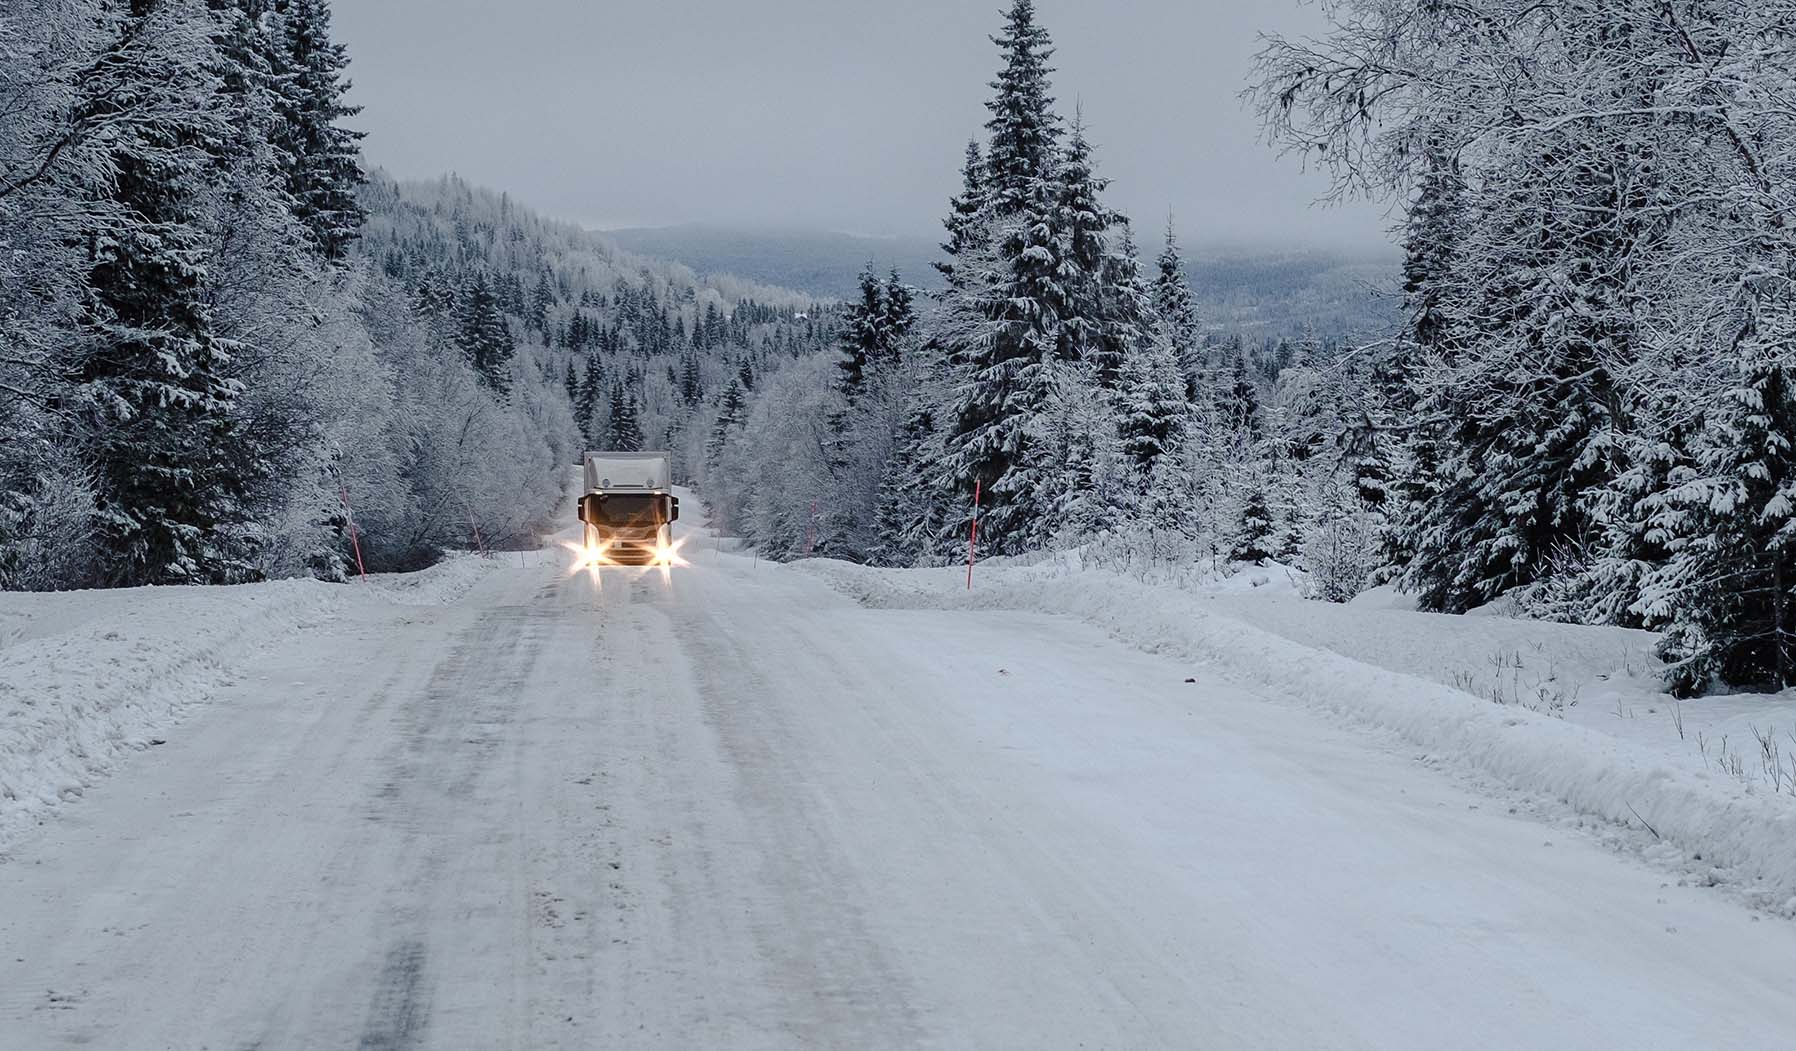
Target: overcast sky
844,115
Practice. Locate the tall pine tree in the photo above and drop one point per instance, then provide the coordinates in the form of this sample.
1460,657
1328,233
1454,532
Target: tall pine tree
623,431
324,167
1001,337
1025,131
484,335
863,335
730,417
153,384
1725,594
1177,308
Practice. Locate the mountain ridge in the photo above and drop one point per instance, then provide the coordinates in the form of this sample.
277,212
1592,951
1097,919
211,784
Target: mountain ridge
1269,291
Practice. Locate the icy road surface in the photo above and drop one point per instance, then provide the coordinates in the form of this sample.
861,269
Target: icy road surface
738,811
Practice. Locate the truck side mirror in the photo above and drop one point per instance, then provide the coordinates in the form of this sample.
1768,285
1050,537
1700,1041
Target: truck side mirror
580,509
674,514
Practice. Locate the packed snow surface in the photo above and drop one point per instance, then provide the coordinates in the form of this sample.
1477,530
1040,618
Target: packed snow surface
1418,677
751,805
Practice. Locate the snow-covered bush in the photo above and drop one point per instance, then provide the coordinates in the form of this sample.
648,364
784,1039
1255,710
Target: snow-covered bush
46,520
1340,555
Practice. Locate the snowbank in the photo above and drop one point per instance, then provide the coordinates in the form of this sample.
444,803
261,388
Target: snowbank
1722,830
443,583
97,674
89,677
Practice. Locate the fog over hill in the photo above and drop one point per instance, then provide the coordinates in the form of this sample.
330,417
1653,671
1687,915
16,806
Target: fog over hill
819,262
1254,291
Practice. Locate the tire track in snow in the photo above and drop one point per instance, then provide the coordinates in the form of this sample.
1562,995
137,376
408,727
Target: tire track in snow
841,984
397,1020
451,735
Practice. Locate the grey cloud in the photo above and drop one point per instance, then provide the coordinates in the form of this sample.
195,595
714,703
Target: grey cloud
824,114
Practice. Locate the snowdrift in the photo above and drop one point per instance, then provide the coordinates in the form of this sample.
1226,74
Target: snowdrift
1704,823
88,677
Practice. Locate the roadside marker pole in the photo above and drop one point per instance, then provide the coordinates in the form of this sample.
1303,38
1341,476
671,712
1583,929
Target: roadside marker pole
479,543
355,541
973,535
810,532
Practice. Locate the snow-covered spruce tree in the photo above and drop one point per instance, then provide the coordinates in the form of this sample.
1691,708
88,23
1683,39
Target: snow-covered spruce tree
1177,308
967,216
1001,318
623,426
153,385
726,492
314,395
1139,340
1025,130
1240,404
1152,412
1101,302
589,413
912,503
919,491
909,516
874,385
1094,488
1431,230
730,416
900,318
863,335
1061,302
483,333
1281,467
1397,461
1007,382
323,158
1536,405
1726,595
1254,534
692,380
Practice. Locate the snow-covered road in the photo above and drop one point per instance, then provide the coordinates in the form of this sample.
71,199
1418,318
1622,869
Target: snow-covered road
738,810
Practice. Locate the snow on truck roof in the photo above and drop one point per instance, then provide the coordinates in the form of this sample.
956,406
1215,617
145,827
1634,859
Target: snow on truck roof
627,470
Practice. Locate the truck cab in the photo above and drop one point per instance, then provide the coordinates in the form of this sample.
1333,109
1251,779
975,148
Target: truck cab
628,507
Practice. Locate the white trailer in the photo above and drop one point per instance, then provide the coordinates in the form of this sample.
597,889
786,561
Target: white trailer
629,507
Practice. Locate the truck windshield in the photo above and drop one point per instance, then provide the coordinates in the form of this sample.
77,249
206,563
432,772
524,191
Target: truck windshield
631,509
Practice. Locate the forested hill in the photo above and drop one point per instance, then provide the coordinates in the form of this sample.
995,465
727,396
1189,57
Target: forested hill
638,346
451,224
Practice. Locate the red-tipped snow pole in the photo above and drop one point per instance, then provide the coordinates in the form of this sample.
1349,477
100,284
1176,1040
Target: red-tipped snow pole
973,535
474,526
355,541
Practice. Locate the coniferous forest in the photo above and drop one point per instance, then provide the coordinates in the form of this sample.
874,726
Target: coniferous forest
225,338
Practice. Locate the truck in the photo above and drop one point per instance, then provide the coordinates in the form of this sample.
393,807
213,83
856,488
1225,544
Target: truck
628,508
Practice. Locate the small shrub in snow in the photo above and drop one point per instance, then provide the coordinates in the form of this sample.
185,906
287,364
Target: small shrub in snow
1341,555
46,522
